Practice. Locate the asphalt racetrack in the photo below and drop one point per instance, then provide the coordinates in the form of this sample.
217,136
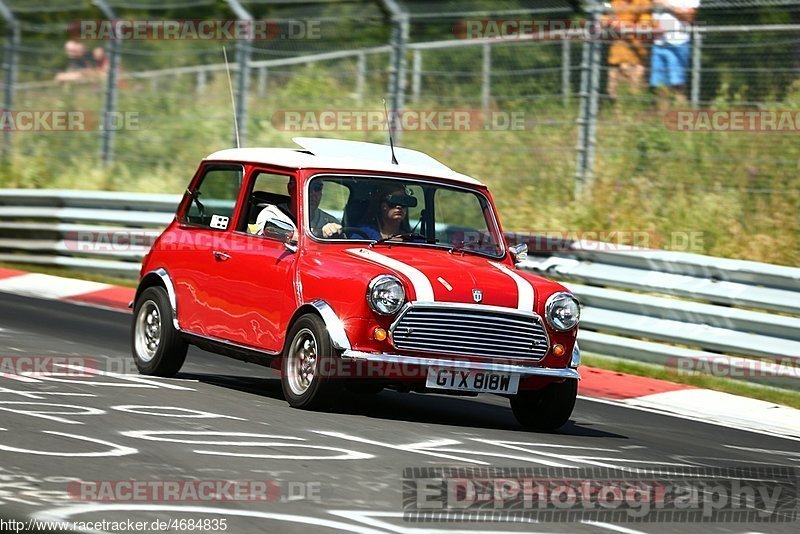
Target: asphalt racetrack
225,420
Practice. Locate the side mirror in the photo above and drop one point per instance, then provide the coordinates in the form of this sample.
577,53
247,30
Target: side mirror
519,253
282,230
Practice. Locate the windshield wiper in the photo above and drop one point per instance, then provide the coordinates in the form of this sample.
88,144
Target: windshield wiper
406,236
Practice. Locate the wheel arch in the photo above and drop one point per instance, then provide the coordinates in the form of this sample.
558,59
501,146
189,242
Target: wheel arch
332,322
160,278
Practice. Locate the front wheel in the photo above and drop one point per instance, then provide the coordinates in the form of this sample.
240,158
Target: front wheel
156,345
308,376
548,408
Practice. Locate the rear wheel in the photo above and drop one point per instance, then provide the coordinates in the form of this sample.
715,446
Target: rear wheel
547,408
308,376
156,345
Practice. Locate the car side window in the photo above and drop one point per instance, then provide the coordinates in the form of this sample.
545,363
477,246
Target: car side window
270,191
213,202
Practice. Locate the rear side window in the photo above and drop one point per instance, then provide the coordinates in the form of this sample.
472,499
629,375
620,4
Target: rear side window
213,201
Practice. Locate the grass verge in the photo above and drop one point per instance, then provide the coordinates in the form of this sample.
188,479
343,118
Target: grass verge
735,387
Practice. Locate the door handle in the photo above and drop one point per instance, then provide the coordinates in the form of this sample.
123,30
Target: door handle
221,256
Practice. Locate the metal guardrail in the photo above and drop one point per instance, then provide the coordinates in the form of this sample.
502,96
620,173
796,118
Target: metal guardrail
733,317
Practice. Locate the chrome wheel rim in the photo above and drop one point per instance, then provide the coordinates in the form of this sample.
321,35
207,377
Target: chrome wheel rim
148,331
302,365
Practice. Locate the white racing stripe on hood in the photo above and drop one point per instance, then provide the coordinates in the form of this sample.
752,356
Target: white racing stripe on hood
524,288
422,286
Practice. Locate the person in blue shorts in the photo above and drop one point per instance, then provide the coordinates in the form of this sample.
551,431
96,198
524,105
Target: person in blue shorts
671,52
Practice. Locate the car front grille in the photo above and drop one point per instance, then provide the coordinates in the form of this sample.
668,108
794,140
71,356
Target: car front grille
470,330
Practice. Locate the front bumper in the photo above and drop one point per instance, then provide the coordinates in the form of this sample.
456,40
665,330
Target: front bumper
460,364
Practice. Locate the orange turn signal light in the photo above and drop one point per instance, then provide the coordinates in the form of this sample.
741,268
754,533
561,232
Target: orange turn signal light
558,350
379,334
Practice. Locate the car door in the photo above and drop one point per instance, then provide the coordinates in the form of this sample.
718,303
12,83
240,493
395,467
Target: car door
259,271
201,243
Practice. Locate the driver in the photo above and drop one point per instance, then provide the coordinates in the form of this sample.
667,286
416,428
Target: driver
321,223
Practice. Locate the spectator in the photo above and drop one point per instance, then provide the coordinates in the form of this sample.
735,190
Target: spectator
627,55
671,49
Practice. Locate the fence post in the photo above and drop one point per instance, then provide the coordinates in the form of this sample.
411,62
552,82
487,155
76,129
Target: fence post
263,76
416,75
10,72
202,81
243,51
697,50
397,78
107,135
565,70
589,103
486,77
361,77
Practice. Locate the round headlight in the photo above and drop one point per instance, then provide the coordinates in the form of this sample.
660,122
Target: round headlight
385,294
562,311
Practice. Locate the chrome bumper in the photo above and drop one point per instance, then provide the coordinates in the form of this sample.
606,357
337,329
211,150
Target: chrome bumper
461,364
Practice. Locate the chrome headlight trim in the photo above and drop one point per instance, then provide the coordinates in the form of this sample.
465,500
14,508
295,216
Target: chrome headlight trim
552,304
378,283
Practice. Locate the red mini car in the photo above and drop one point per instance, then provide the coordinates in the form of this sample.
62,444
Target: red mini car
343,269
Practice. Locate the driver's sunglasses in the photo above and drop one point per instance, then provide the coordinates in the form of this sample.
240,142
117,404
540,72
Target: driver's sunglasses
317,187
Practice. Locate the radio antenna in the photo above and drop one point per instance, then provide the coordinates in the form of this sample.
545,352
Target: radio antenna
233,101
391,127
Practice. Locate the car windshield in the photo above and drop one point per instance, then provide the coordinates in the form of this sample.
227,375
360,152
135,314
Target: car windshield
401,211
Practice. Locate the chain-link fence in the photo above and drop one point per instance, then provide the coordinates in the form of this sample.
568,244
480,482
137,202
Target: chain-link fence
529,114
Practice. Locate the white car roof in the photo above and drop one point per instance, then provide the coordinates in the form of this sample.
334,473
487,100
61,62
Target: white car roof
345,155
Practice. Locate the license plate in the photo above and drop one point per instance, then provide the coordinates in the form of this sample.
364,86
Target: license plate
472,380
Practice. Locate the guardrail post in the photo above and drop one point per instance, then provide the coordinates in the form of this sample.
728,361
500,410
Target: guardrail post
697,50
397,78
9,72
107,135
243,52
416,75
565,71
486,77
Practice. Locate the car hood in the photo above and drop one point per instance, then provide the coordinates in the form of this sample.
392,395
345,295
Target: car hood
436,275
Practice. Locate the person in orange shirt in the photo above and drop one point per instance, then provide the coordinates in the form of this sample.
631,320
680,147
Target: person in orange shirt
627,55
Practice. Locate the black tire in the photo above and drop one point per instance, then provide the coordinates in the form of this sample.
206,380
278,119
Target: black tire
157,347
548,408
309,367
